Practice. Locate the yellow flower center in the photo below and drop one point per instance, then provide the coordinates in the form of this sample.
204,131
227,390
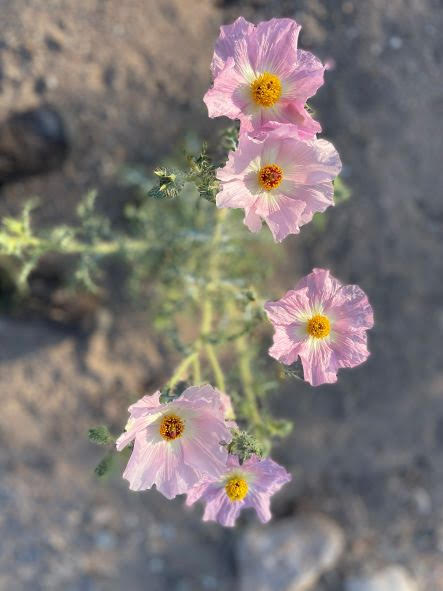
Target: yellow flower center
266,90
318,326
171,427
270,176
236,488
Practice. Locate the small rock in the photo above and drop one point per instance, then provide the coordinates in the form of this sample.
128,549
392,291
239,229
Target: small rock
290,555
396,42
389,579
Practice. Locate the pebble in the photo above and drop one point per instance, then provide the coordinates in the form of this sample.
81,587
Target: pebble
389,579
290,555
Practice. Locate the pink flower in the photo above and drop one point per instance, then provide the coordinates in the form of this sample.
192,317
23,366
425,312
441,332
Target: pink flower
177,443
261,77
324,323
237,487
280,179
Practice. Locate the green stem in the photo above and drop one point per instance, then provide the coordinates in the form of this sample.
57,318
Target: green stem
196,370
182,367
216,367
208,311
104,247
246,377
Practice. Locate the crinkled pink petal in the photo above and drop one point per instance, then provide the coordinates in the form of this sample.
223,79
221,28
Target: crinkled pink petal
143,465
203,451
321,287
261,503
306,78
230,37
286,219
234,196
226,97
136,427
284,349
315,356
292,307
310,162
175,476
351,309
350,349
273,45
252,221
144,405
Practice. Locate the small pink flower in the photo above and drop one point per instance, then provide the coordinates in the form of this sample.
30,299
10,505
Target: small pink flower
280,179
238,487
177,443
261,77
324,323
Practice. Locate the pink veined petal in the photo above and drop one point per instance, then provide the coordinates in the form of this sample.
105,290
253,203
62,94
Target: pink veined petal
234,194
252,220
226,97
293,306
261,503
294,112
138,426
174,476
205,487
350,349
351,309
306,78
316,360
201,396
203,450
273,44
317,198
321,286
223,510
286,219
284,348
249,148
144,405
309,163
230,37
144,464
270,476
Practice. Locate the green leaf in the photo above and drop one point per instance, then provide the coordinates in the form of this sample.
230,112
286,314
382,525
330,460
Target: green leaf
293,371
341,191
169,394
105,465
101,435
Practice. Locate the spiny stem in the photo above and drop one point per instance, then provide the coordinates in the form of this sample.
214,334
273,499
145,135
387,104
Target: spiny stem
216,367
196,370
244,366
182,367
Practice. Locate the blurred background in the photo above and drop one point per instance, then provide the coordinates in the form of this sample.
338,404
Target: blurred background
364,511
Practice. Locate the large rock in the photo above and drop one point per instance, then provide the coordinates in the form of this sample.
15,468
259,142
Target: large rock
290,555
392,578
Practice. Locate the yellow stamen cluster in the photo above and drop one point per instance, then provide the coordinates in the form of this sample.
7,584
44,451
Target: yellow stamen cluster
171,427
236,488
318,326
266,90
270,176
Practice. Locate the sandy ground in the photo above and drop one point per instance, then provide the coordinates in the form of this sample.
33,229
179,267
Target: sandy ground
129,77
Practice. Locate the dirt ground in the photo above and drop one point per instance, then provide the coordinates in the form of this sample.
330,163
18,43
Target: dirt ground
129,78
